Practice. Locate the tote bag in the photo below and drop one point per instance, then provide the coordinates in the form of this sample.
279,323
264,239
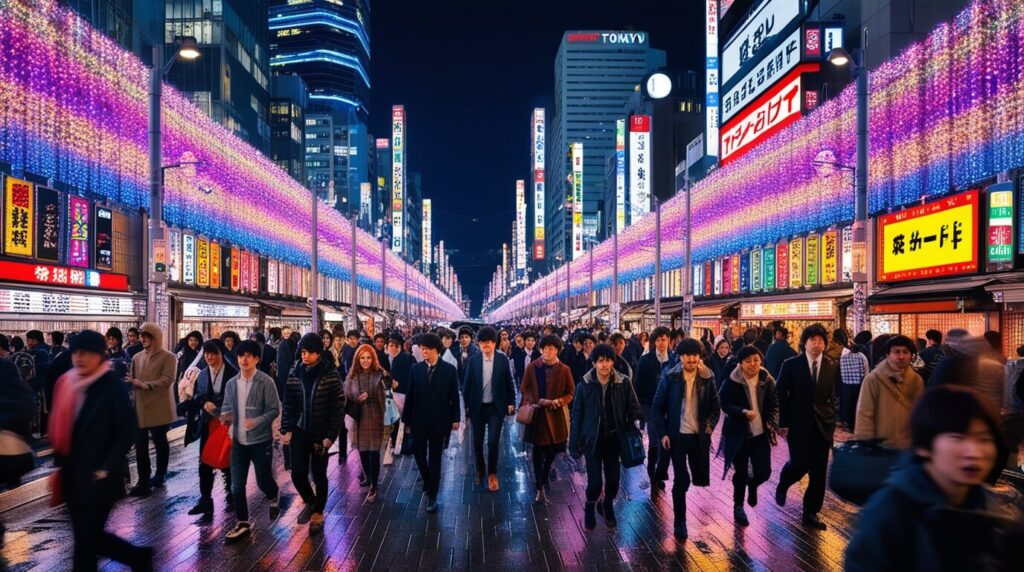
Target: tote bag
217,451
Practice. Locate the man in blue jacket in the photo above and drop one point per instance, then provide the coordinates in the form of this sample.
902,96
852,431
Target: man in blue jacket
489,395
648,374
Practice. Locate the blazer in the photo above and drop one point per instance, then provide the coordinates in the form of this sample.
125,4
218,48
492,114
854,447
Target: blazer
804,404
503,390
399,368
432,406
472,350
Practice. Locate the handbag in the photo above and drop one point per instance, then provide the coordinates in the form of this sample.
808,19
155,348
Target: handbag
391,413
525,413
353,409
859,469
632,454
217,451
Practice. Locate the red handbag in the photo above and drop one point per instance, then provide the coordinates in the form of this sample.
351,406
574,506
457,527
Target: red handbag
217,451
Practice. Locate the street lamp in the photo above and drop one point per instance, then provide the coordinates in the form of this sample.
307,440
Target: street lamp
187,48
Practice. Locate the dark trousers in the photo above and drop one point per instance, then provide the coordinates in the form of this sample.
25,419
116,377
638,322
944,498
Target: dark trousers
163,452
342,444
808,455
428,448
206,476
491,419
88,523
757,453
305,457
371,466
657,457
848,398
543,458
605,458
260,455
685,450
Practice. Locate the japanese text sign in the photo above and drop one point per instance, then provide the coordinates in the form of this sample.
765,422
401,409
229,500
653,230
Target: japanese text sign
936,239
1000,227
18,217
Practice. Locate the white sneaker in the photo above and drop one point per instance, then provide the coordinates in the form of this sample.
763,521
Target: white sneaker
240,531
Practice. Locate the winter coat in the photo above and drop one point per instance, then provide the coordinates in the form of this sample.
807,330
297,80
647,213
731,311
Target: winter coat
196,418
432,405
369,434
648,373
399,367
720,366
588,406
17,401
735,397
261,405
984,374
470,351
667,409
883,409
560,385
285,359
778,352
503,390
320,411
930,356
910,525
154,402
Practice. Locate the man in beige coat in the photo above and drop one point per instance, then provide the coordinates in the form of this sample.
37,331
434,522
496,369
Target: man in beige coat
152,376
888,394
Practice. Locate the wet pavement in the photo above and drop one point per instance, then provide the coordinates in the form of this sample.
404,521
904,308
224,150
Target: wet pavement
475,529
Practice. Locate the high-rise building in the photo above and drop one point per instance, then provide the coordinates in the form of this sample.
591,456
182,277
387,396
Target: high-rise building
381,200
414,217
288,101
230,81
327,43
595,73
134,24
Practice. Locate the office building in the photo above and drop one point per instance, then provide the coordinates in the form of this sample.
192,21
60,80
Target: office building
414,217
134,24
381,200
288,103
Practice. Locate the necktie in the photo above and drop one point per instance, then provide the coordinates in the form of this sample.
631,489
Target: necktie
430,373
814,371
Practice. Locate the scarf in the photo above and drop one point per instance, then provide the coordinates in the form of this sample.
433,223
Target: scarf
68,397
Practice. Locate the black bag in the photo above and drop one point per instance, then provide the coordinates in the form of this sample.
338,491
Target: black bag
633,453
353,409
859,469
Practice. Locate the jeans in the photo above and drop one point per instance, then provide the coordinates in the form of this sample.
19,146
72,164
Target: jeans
371,466
428,448
491,419
304,457
88,524
163,452
808,455
261,456
606,456
543,457
685,449
756,452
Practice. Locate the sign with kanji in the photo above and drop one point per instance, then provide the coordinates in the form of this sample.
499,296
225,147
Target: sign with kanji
756,276
18,217
811,252
796,263
202,262
48,224
782,265
78,238
236,256
215,264
769,268
932,240
727,275
1000,227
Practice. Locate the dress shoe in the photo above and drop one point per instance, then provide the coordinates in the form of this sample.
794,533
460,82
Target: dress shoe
608,512
589,519
812,521
204,506
158,481
432,506
680,532
740,516
140,491
751,495
780,495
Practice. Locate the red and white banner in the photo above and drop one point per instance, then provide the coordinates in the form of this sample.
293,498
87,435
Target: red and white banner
780,107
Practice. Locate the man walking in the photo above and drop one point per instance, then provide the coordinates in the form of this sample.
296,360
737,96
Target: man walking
489,396
466,350
152,375
648,374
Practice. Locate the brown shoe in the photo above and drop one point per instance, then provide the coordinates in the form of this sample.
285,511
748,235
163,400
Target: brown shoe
316,522
492,483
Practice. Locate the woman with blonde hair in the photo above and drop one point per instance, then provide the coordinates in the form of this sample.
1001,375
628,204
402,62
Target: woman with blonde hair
365,386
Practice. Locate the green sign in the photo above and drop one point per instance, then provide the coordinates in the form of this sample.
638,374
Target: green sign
999,239
769,269
811,252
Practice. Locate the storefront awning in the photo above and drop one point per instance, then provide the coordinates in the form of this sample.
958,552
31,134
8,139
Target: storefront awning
636,311
964,287
203,305
285,308
811,305
938,296
712,309
1010,290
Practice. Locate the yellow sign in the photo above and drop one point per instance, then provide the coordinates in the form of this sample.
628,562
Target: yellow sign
796,263
829,257
19,217
203,262
936,239
214,265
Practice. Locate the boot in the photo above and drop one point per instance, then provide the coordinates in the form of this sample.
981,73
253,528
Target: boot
609,514
740,516
589,518
680,521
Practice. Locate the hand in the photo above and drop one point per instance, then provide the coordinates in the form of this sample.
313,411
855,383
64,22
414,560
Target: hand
666,443
363,397
455,426
138,384
751,415
511,409
783,431
286,438
556,403
100,475
327,444
250,424
209,407
394,385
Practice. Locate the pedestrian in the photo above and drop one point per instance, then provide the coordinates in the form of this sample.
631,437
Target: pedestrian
230,340
935,512
312,415
853,368
133,344
622,365
530,354
581,363
839,342
465,351
932,354
204,406
648,374
367,384
684,413
267,362
380,342
91,430
448,340
778,352
250,407
549,388
968,362
807,419
431,412
188,357
751,408
335,350
888,395
604,410
17,407
489,395
152,377
720,359
349,351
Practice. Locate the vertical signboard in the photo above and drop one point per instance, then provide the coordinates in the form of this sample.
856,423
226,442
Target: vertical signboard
718,277
254,273
174,249
104,233
188,259
711,74
48,224
698,280
829,258
78,233
727,275
736,273
745,272
620,174
577,200
756,271
709,276
427,238
639,167
538,183
202,262
769,268
244,271
215,265
521,226
397,178
812,253
236,272
365,203
796,263
18,217
1000,227
782,266
272,280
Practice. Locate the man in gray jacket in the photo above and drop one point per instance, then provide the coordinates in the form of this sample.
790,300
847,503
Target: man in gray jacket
250,406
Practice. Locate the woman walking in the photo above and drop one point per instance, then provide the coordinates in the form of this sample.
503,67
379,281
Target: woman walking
366,385
549,388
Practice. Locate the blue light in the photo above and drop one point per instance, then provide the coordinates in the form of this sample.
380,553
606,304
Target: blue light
329,56
321,18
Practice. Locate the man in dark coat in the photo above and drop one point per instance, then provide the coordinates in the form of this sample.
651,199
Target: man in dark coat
807,389
778,352
466,350
490,396
431,413
648,374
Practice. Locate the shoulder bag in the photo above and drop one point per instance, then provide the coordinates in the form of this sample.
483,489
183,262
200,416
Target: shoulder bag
525,413
391,413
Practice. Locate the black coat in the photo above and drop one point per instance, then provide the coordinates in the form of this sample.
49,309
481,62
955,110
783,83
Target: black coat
735,397
804,405
325,415
588,407
17,401
285,358
647,375
503,390
667,410
432,406
399,369
778,352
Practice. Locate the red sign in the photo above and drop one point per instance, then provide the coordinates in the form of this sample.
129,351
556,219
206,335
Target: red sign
727,275
640,124
812,43
50,275
589,37
538,251
383,143
782,266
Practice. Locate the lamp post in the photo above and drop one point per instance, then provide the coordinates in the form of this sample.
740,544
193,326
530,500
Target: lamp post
355,288
657,262
687,311
188,49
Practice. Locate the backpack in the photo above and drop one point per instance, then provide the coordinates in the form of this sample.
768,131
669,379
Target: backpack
26,367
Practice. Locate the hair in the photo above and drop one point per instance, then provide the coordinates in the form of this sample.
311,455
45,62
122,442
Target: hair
5,344
1020,351
35,335
397,339
782,330
312,343
655,334
529,334
465,331
840,337
487,334
584,336
995,340
749,336
814,330
380,336
133,330
357,368
688,347
950,409
934,336
747,351
352,334
551,340
233,335
249,347
213,347
902,341
430,341
602,351
862,338
57,337
616,338
17,343
275,333
114,332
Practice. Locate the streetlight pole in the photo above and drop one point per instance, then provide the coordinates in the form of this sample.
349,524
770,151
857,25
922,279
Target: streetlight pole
314,288
687,314
355,290
615,281
657,262
383,281
590,295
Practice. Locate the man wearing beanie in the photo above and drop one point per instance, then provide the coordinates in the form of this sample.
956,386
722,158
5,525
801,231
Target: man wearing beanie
313,415
152,375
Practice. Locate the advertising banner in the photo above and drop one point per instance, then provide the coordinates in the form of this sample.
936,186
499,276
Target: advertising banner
774,111
698,279
254,273
236,269
174,253
782,266
577,200
727,275
215,265
711,76
846,246
51,275
709,278
735,267
1000,227
639,167
521,226
796,263
829,258
48,224
78,237
397,178
756,270
188,259
745,272
202,262
620,175
244,271
19,217
936,239
757,34
812,252
768,72
538,183
427,238
718,277
769,268
104,233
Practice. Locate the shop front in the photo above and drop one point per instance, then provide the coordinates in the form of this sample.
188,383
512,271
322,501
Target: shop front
914,309
796,311
212,314
712,315
280,313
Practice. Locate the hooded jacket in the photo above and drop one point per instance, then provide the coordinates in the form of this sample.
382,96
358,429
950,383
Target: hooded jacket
883,410
154,403
668,408
735,397
588,406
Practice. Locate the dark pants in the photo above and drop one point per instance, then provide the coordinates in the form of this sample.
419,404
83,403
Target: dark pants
371,466
657,457
491,419
260,455
428,447
756,452
848,404
342,444
89,514
685,450
305,457
543,457
163,452
206,476
808,455
606,458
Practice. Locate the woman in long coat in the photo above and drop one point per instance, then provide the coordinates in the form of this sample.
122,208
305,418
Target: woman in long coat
548,387
365,385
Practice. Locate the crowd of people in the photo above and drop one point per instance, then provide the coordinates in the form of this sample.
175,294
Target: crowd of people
950,404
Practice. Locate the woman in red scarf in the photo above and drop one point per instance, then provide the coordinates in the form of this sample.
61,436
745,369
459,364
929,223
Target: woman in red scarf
92,426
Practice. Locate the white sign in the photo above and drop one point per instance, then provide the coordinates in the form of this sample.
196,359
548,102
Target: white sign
694,151
397,178
639,167
201,310
188,259
846,245
620,175
718,277
174,265
521,226
365,210
769,71
577,200
624,38
58,303
538,183
769,20
833,39
272,276
711,82
427,238
750,127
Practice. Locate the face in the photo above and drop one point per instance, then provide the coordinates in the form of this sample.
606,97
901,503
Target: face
394,348
229,343
519,341
112,342
353,340
379,344
588,346
550,354
963,459
722,348
487,347
430,354
133,337
147,341
604,367
690,362
504,335
446,342
751,366
213,360
86,362
661,344
815,346
338,342
780,337
327,340
285,332
620,346
899,358
365,360
193,343
248,362
309,358
530,343
464,340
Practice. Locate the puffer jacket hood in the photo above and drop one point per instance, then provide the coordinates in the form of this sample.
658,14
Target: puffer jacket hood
154,331
702,370
591,376
737,376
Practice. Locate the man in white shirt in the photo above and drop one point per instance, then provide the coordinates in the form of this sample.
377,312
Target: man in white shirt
489,396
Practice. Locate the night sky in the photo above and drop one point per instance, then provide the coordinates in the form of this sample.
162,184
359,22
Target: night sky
469,73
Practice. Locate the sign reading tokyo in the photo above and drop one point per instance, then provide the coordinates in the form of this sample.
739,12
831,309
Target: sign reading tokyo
936,239
617,38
